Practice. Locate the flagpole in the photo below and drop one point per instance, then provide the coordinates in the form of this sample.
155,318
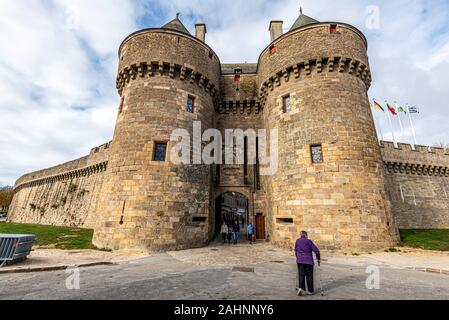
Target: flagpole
413,127
391,124
400,121
375,125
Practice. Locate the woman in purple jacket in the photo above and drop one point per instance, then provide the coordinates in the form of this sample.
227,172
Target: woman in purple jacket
304,258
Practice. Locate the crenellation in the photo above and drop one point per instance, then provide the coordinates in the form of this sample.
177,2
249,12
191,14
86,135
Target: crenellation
333,177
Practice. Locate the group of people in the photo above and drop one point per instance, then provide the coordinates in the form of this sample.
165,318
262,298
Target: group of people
231,233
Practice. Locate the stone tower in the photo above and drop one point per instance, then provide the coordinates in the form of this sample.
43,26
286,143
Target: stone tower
314,82
310,84
146,201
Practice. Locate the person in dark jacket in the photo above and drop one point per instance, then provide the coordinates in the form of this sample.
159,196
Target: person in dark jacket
235,231
304,258
229,236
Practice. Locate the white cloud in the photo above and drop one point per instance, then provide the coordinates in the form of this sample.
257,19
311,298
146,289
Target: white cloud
59,57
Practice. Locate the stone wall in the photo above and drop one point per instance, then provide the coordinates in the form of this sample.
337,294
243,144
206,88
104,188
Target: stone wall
65,195
342,201
159,205
417,182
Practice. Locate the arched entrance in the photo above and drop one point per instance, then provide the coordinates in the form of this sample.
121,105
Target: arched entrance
230,207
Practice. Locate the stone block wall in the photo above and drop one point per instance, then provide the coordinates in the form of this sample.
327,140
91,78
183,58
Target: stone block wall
65,195
159,205
342,201
417,182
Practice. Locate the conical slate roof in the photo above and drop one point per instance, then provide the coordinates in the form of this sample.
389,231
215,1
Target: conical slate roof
302,21
176,25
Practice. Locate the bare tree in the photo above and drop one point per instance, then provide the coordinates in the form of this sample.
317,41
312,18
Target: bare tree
6,195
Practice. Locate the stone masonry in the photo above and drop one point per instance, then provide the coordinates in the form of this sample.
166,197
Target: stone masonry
356,197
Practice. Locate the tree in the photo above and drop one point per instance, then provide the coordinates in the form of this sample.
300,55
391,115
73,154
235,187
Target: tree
6,194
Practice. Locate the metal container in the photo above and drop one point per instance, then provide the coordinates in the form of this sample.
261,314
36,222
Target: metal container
15,247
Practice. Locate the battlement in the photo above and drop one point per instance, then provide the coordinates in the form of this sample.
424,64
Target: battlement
421,160
95,161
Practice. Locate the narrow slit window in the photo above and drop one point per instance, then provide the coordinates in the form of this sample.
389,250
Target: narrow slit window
286,104
284,221
317,153
190,104
160,151
199,219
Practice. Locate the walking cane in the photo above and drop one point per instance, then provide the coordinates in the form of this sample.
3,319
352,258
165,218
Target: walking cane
320,280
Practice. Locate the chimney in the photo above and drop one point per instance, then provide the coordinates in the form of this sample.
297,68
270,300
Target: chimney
200,31
276,29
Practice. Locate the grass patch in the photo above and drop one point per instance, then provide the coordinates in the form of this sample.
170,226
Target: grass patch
65,238
437,240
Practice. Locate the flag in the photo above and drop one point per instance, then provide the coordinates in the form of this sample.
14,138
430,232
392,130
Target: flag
378,106
392,110
400,109
413,110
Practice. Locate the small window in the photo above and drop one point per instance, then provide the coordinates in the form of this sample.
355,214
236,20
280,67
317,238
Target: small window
284,221
272,49
211,55
199,219
160,151
120,109
190,104
333,28
286,104
317,153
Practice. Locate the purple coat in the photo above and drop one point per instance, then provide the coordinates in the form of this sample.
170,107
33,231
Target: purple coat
303,249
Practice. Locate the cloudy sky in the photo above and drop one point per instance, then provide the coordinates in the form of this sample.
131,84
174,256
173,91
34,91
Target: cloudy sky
58,61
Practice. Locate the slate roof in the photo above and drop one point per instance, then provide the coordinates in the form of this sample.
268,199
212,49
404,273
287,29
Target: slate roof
176,25
302,21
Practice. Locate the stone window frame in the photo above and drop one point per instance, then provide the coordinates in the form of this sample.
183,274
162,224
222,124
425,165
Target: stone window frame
155,149
316,145
403,195
193,99
284,106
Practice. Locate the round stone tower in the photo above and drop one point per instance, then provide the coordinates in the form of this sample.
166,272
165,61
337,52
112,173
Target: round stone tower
167,79
313,84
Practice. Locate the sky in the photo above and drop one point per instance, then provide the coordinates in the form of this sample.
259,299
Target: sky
58,63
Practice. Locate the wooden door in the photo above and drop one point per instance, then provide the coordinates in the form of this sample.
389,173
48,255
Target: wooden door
260,227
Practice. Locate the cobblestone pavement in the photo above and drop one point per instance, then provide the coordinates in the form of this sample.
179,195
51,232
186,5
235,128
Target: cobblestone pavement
211,273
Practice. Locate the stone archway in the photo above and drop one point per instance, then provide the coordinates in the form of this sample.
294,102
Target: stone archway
231,206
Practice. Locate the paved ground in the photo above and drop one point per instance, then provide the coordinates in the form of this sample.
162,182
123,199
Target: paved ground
209,273
51,258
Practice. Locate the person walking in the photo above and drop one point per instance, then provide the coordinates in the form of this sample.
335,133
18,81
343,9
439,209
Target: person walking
304,249
250,231
235,231
224,232
229,235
